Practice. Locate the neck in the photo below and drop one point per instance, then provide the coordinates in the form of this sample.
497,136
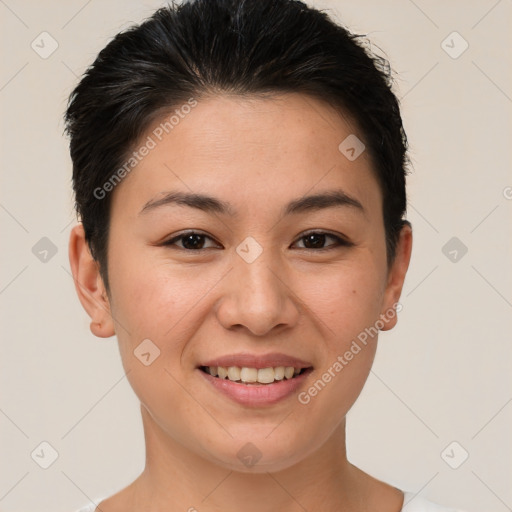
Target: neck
177,478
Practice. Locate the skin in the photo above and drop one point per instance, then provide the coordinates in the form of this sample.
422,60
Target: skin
256,154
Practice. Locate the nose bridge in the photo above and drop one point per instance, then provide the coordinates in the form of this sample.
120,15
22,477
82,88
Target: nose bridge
258,297
257,269
253,255
260,277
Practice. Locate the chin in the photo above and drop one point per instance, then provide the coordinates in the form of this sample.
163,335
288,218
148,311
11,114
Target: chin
257,452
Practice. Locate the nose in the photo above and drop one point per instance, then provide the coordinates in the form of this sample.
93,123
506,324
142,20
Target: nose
258,296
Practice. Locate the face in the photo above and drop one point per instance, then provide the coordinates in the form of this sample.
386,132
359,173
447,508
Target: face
284,266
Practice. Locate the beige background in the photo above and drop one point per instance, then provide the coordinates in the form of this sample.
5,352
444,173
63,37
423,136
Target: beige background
442,375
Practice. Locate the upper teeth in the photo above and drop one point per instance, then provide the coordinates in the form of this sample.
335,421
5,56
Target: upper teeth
249,375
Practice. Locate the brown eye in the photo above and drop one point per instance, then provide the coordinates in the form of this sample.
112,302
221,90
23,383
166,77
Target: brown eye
316,241
191,241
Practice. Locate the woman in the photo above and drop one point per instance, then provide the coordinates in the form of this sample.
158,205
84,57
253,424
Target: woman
239,172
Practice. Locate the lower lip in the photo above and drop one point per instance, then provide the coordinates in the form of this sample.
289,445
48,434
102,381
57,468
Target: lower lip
257,395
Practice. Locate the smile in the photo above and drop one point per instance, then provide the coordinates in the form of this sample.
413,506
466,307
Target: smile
255,381
253,376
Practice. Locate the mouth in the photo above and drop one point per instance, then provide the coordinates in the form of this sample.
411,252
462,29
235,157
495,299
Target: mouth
254,376
256,381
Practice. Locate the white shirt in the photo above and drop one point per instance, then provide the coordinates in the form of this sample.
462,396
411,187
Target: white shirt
412,503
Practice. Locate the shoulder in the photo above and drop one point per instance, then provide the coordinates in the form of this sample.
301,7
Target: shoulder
91,507
88,508
114,501
413,503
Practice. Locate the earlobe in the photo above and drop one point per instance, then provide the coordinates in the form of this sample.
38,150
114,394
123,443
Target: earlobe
396,278
89,284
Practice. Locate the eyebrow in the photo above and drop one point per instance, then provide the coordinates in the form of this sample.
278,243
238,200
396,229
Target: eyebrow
208,204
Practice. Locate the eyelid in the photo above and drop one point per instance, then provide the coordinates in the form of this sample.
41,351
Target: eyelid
171,241
341,240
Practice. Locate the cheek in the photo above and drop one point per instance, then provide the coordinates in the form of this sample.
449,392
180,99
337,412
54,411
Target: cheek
347,303
150,311
150,301
157,300
347,299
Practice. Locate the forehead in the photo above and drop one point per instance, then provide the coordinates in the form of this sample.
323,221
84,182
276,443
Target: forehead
246,147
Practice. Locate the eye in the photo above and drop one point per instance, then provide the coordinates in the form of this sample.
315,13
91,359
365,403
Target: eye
191,241
315,240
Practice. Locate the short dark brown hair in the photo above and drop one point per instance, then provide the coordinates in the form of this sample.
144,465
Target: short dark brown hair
237,46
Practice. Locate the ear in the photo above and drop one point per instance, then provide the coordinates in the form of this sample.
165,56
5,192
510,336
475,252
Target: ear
396,277
89,284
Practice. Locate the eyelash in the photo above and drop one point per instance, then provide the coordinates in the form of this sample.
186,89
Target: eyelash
340,242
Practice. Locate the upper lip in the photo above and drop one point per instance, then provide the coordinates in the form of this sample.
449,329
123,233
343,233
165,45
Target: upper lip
257,361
